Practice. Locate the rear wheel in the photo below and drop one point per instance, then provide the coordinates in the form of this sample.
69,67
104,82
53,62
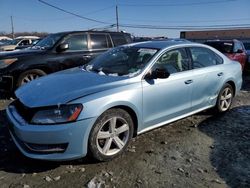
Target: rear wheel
225,98
29,75
111,134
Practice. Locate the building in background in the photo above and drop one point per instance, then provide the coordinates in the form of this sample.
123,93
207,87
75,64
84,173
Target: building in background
202,36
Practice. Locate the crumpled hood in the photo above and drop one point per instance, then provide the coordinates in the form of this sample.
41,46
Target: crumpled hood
64,86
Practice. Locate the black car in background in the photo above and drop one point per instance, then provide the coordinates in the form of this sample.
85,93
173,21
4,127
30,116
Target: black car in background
55,52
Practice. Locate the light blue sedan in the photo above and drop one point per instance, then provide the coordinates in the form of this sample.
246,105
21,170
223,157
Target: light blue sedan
98,108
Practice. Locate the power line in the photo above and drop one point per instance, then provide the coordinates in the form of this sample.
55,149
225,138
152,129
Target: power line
177,4
186,27
185,21
177,27
100,10
43,19
74,14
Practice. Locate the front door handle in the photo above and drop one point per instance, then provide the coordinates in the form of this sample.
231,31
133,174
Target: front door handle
220,74
86,56
188,81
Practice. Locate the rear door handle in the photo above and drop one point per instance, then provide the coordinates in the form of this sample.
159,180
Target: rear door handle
220,74
188,81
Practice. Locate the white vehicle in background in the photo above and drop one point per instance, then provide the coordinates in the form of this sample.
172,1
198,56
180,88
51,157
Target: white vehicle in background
19,41
4,40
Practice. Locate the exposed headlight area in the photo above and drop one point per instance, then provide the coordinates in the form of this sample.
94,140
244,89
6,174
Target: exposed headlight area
49,115
57,115
6,62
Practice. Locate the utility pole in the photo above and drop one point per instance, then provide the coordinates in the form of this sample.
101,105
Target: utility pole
12,27
117,22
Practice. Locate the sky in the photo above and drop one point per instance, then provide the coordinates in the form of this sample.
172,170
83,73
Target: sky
33,15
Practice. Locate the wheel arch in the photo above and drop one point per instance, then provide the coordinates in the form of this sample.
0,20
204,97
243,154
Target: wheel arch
230,82
133,115
129,108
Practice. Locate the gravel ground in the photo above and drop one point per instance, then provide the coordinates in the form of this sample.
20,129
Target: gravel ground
203,150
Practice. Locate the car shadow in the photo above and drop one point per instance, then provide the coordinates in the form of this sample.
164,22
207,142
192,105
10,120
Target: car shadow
12,160
230,154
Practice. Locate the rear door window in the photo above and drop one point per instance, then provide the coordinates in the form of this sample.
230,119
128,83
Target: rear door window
203,57
99,41
77,42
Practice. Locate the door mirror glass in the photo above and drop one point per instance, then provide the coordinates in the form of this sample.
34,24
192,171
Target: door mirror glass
62,47
160,73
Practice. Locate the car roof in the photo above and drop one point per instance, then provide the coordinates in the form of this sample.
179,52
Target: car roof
90,31
222,40
160,44
27,37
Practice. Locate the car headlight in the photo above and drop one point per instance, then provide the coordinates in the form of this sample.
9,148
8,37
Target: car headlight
55,115
6,62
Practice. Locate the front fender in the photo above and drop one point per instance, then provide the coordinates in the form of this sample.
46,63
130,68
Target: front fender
95,105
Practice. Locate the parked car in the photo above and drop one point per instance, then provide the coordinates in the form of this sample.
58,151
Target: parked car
4,40
247,47
234,49
34,42
55,52
24,41
127,91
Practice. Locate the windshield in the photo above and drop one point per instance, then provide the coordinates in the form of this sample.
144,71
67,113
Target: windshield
122,61
48,42
224,47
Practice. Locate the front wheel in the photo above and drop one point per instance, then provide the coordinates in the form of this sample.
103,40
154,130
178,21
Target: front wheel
225,98
29,75
110,134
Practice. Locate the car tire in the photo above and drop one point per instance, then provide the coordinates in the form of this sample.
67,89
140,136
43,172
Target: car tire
225,98
110,134
29,75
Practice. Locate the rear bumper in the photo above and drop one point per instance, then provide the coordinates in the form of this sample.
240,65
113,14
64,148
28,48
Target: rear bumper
50,142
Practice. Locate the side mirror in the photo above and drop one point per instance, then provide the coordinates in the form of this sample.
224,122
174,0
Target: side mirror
62,47
161,73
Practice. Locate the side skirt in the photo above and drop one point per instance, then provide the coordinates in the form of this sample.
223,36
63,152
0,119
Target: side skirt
174,119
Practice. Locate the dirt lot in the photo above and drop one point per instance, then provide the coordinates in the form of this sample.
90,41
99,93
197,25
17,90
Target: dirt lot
199,151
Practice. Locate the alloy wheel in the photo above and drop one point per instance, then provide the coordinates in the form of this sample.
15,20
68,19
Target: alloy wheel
112,136
29,77
226,99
